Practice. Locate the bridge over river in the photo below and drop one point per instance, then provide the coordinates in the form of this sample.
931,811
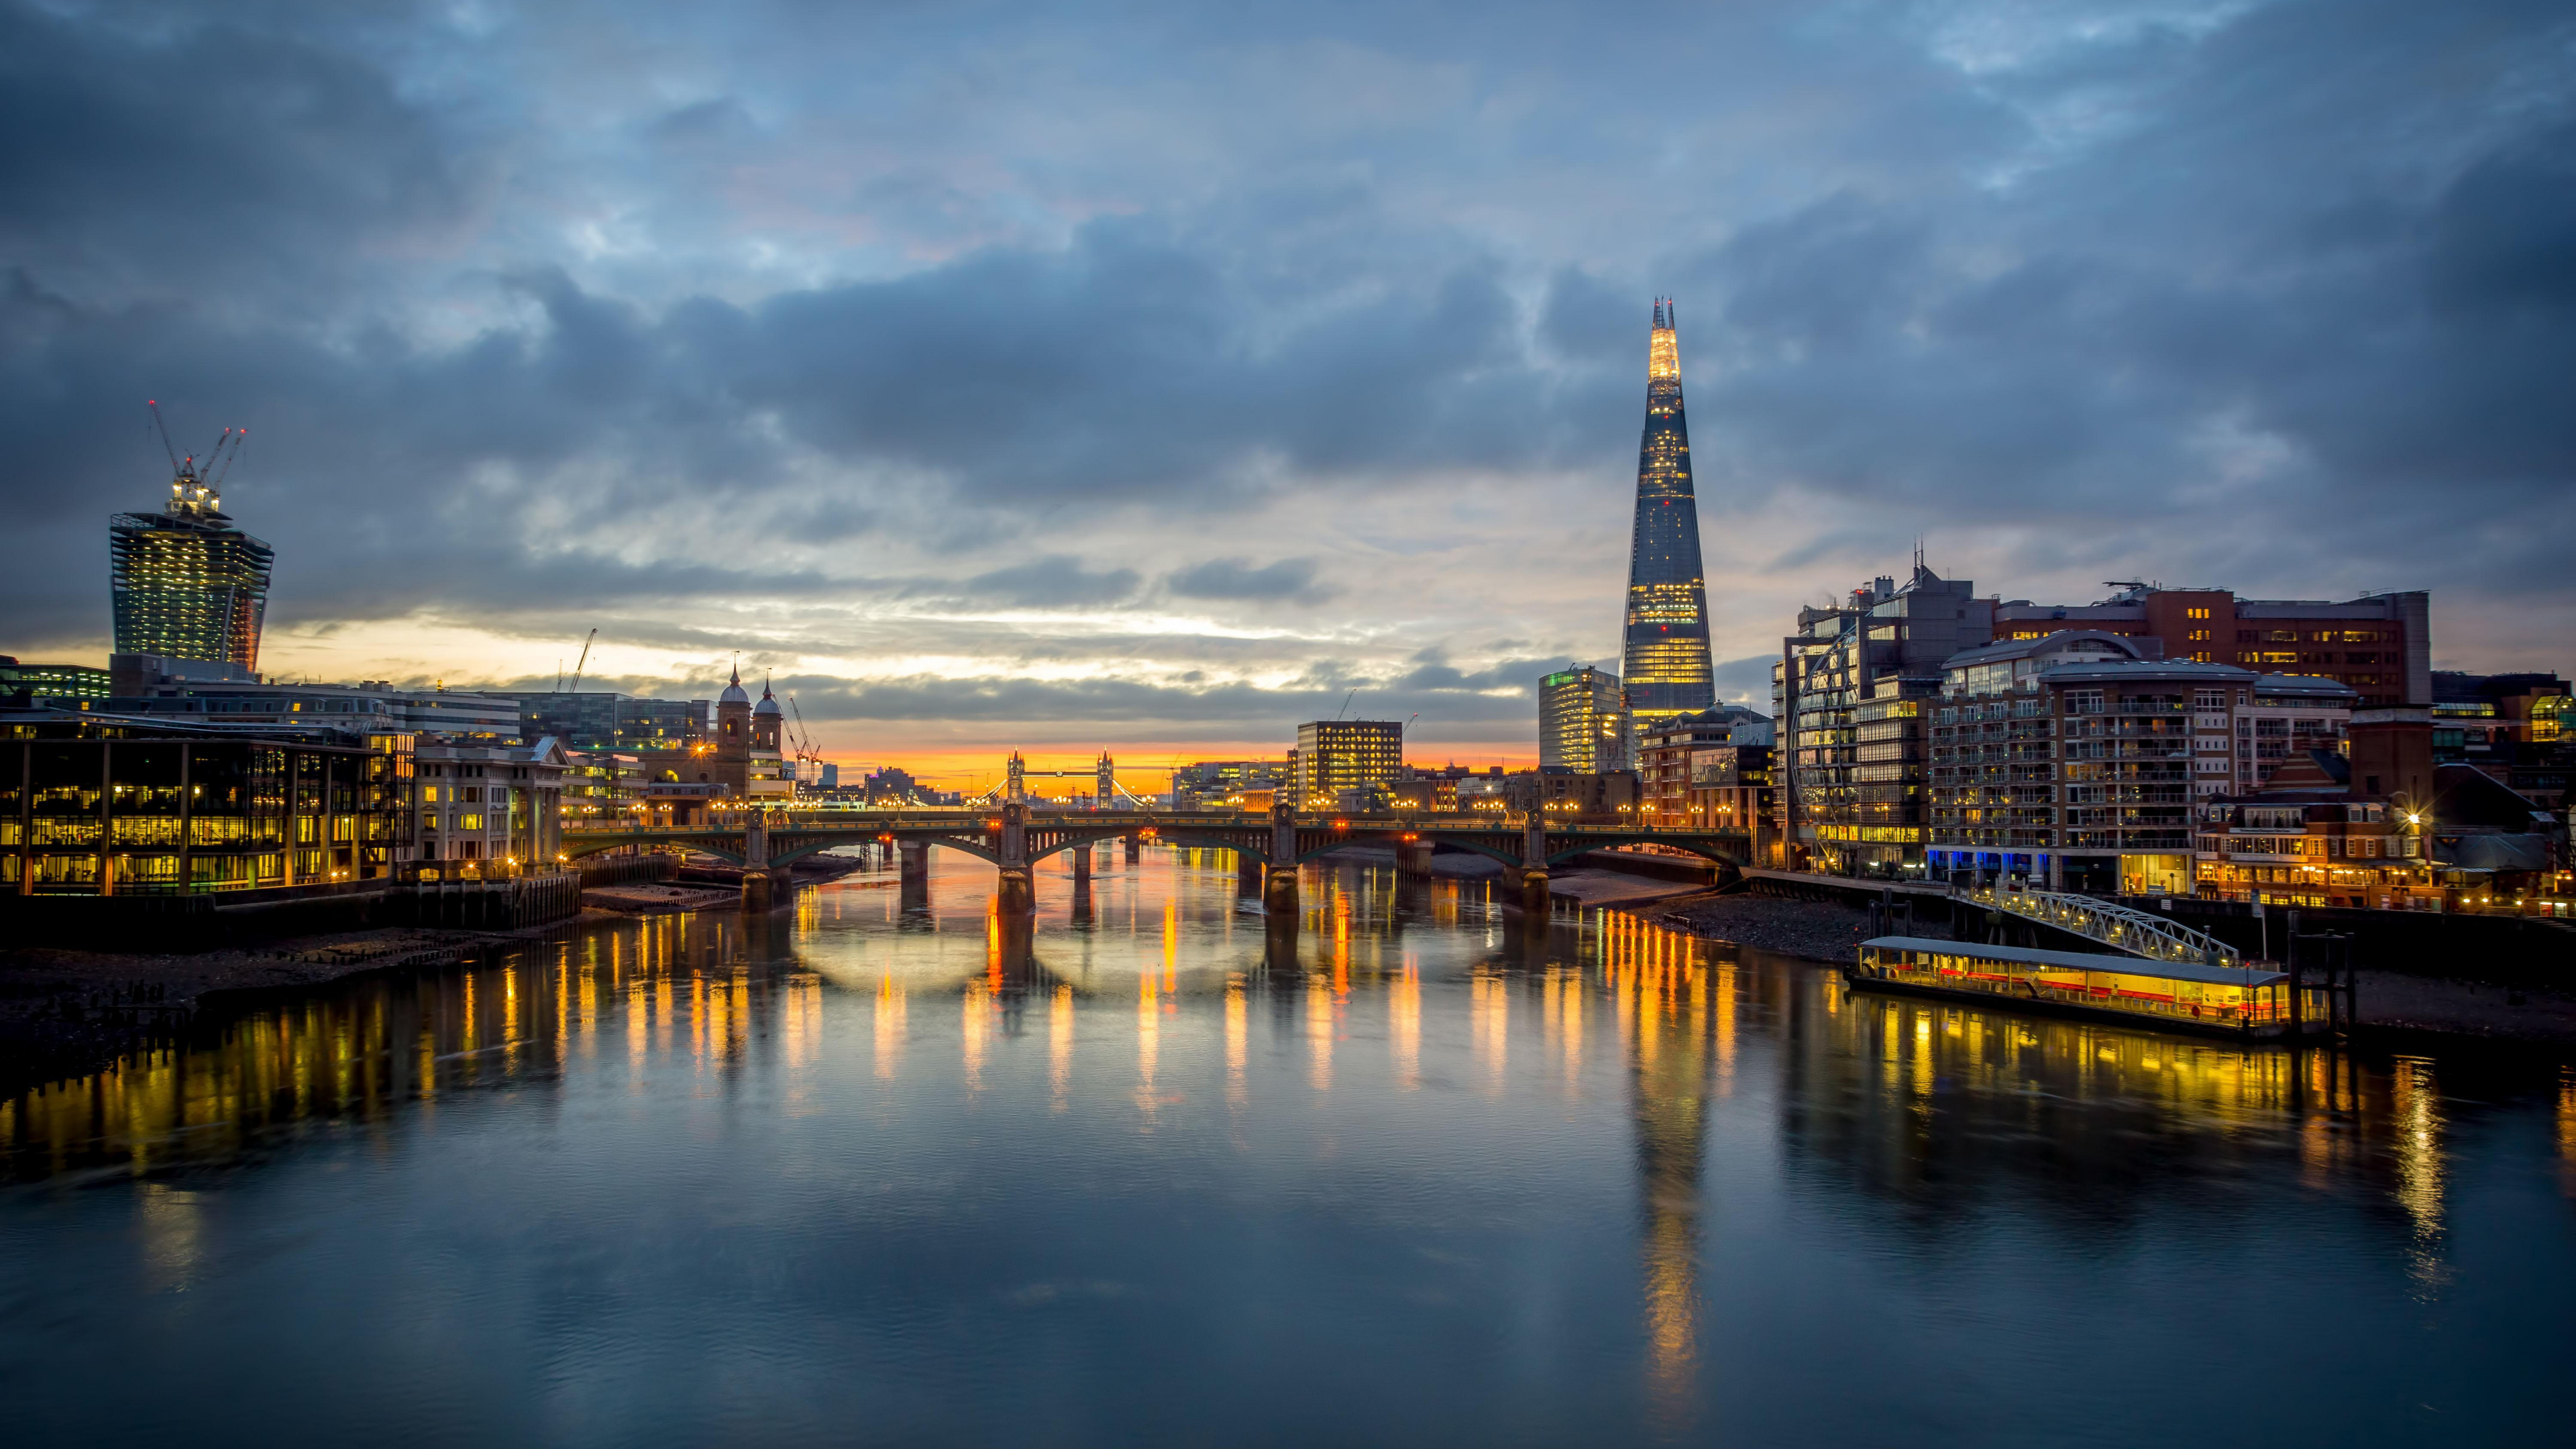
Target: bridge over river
1014,838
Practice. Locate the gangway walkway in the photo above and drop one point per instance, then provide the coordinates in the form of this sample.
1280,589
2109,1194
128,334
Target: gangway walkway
2123,928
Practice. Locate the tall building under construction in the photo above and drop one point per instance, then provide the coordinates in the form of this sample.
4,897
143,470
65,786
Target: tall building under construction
186,583
1665,664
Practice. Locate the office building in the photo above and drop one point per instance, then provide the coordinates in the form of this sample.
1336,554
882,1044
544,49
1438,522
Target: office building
1848,697
601,720
1730,789
1582,723
1220,784
487,811
154,687
106,806
1336,755
2379,644
1664,661
51,686
2074,761
185,583
1665,756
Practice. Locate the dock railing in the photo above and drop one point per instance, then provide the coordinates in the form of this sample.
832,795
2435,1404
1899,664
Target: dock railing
2123,928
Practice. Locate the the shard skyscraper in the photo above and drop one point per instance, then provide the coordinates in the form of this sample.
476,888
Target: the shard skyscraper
1665,666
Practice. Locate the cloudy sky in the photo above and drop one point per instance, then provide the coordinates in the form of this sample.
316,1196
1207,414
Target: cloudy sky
1152,377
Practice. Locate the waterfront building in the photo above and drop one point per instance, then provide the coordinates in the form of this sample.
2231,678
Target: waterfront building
2075,761
1424,795
51,686
2379,644
1849,694
184,582
2515,727
1665,756
171,689
95,804
1730,789
1214,784
1582,721
487,811
1664,660
1584,797
1334,755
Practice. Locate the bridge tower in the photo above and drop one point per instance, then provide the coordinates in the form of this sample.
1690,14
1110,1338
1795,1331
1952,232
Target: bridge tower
1015,780
1105,793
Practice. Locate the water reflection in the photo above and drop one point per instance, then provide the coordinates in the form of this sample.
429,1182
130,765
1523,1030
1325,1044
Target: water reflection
1191,1039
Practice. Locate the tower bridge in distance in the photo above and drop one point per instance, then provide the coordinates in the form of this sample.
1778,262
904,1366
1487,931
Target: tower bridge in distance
1014,838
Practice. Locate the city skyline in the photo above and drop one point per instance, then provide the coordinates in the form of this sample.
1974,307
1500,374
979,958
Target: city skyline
1052,430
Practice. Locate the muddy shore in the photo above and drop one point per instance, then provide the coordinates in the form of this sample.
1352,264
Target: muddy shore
66,1013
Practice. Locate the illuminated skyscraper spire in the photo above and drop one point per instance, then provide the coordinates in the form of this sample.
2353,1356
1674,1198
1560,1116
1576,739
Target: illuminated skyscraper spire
1665,666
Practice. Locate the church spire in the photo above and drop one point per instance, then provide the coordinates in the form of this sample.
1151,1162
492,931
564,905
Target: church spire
1664,666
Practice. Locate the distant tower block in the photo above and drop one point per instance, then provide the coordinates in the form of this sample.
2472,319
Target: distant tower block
185,583
1665,663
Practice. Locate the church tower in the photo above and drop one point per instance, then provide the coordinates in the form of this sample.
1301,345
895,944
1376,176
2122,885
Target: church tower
733,736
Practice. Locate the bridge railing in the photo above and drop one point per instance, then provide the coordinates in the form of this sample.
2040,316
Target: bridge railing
2125,928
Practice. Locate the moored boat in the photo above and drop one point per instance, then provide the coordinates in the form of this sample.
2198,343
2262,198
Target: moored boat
2242,1001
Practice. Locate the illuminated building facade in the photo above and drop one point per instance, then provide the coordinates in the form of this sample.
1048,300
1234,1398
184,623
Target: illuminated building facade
58,686
2379,644
487,811
1338,755
1665,661
1582,723
113,807
1849,694
185,583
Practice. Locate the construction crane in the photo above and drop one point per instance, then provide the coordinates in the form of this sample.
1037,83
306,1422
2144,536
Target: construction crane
583,662
803,740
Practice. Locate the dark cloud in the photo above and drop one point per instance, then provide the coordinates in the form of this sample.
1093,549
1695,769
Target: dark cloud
2277,296
1236,578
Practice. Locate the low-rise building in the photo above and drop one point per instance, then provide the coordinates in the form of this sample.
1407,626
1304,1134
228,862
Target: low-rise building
1665,756
1603,797
1731,790
1212,784
185,691
487,811
51,686
1423,795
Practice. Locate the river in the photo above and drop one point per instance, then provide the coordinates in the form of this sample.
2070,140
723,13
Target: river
857,1174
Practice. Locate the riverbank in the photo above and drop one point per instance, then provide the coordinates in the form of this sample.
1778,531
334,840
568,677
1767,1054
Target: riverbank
68,1013
1823,931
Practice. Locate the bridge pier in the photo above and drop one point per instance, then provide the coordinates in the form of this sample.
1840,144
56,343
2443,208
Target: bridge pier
1279,882
1135,847
1247,875
1534,900
912,875
1413,859
1081,865
1015,893
758,894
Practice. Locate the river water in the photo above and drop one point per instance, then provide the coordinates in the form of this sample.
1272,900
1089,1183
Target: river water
859,1174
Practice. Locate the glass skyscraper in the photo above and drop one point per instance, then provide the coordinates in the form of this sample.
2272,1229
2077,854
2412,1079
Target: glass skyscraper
1665,663
186,583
